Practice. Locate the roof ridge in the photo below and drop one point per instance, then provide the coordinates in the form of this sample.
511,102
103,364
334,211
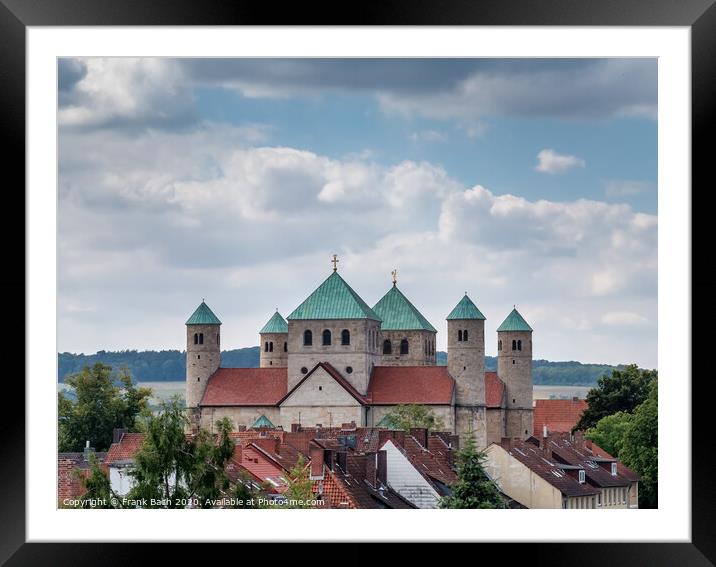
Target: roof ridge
333,299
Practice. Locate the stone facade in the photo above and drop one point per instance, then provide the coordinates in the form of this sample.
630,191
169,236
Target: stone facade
495,425
274,350
203,355
421,348
472,418
466,360
360,355
239,415
514,367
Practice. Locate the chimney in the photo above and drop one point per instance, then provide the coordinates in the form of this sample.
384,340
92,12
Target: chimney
317,456
295,427
544,430
575,399
506,443
87,451
420,434
117,434
371,469
382,467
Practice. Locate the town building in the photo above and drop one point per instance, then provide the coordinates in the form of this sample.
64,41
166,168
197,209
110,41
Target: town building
335,359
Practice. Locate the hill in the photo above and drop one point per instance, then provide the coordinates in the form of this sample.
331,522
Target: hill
170,365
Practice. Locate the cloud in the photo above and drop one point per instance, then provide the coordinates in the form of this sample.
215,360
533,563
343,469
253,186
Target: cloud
552,162
428,136
625,188
624,318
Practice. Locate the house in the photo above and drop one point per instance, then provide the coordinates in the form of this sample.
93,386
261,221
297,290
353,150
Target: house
120,460
557,415
71,468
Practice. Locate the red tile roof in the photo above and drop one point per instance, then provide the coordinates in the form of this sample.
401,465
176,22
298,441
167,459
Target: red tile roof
336,376
592,448
246,387
557,415
126,449
494,390
429,385
263,468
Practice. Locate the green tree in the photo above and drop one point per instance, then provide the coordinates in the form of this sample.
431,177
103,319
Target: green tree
173,469
609,432
99,492
473,489
623,391
100,405
245,495
640,447
406,416
299,491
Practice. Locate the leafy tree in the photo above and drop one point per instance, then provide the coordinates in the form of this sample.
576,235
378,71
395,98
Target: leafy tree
405,416
299,491
245,495
99,492
623,391
100,405
173,469
474,489
640,450
609,432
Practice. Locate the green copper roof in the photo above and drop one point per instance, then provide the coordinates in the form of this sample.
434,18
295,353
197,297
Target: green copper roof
203,316
333,299
398,314
465,309
262,421
276,324
514,322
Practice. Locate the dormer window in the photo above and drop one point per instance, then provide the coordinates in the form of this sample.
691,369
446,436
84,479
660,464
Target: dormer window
582,477
614,469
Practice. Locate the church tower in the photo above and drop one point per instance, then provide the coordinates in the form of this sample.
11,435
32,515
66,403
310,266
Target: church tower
514,367
466,364
203,353
274,343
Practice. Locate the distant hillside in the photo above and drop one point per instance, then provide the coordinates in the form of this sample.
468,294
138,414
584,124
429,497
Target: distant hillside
170,365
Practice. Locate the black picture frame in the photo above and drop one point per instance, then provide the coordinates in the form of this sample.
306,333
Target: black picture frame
698,15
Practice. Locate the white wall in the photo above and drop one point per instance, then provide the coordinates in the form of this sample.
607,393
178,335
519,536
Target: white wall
408,482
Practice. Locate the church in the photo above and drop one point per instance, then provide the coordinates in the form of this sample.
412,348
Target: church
336,360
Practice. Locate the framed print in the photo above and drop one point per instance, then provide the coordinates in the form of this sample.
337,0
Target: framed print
433,262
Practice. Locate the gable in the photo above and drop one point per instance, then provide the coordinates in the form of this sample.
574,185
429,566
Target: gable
320,389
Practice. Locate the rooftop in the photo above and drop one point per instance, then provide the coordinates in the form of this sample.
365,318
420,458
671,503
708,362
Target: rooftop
203,316
514,322
465,309
333,299
246,387
557,415
430,385
276,324
398,314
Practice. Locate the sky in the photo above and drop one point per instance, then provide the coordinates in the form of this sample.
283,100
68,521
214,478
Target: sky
523,182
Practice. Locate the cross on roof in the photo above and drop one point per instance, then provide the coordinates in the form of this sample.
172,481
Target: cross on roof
335,262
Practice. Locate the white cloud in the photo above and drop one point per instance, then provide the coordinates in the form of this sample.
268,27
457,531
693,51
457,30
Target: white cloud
428,137
625,188
624,318
550,161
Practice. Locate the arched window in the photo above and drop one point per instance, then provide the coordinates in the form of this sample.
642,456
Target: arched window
459,336
519,345
271,347
387,347
404,346
307,338
201,338
196,338
285,347
499,345
514,345
266,346
326,337
345,337
464,335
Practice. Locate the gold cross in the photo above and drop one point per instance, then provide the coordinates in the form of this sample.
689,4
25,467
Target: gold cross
335,261
394,273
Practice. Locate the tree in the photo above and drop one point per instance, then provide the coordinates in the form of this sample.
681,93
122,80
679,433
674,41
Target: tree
172,470
245,495
474,489
299,492
623,391
406,416
99,492
640,447
609,432
100,405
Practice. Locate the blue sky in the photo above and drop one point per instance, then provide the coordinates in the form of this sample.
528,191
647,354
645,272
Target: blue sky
522,181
